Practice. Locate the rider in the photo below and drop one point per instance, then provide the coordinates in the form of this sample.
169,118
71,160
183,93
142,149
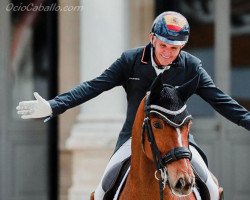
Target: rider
135,70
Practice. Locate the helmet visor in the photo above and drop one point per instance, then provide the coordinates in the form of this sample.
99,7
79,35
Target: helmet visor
170,41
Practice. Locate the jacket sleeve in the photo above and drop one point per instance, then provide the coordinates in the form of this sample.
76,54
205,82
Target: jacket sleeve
222,102
111,77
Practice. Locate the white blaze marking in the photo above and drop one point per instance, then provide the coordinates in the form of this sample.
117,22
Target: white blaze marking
180,142
179,137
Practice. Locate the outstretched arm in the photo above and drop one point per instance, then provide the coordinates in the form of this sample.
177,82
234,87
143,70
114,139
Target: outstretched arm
222,102
115,75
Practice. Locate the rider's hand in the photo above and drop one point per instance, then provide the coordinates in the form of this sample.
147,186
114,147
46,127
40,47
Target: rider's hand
34,109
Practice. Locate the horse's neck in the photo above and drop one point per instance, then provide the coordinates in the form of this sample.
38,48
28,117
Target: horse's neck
142,169
142,176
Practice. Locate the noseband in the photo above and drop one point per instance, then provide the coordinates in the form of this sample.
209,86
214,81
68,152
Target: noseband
161,161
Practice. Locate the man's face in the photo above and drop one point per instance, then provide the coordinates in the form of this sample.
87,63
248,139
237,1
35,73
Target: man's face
164,53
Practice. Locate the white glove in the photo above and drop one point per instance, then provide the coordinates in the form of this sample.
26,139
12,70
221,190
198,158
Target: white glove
34,109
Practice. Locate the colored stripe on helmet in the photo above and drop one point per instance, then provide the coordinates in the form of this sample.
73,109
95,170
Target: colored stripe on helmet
174,22
174,28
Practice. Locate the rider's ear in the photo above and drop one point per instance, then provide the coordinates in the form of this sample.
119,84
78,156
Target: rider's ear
151,36
156,88
189,88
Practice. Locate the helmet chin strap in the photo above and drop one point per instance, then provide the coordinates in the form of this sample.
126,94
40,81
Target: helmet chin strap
155,59
154,56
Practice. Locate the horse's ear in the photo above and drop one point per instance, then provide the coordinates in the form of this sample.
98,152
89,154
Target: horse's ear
156,87
189,88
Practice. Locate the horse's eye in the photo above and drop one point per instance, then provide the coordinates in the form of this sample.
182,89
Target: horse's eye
158,125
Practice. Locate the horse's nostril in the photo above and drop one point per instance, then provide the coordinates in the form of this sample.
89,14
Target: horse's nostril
180,184
183,186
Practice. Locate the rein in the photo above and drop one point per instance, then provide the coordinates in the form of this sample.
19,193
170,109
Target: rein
161,161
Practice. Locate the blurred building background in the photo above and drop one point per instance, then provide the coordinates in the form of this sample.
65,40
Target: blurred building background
51,51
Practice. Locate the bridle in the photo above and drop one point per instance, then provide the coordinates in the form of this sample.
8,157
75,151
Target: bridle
160,161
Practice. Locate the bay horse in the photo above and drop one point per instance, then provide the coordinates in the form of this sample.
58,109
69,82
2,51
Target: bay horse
160,159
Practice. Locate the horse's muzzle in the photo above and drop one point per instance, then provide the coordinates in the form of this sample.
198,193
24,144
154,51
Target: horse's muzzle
183,186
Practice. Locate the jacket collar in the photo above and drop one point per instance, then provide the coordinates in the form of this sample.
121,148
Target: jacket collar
146,56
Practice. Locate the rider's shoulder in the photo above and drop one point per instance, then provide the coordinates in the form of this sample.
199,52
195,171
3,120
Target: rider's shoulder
131,54
189,58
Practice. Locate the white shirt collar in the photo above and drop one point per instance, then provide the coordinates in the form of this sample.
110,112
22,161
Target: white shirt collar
157,69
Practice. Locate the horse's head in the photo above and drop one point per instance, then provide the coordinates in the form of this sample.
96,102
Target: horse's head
165,136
